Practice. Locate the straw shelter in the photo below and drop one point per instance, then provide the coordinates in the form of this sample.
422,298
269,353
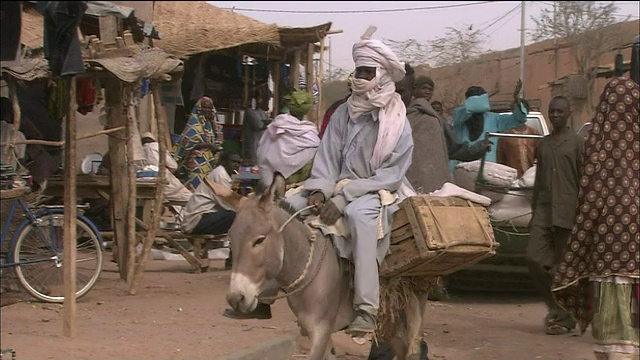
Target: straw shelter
193,27
120,67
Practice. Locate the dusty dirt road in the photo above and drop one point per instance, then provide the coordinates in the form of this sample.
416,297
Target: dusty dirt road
177,315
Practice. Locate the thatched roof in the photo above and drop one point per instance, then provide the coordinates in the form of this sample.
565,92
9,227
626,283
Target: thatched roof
145,62
192,27
31,29
292,36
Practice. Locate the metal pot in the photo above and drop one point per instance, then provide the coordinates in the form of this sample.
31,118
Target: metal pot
222,118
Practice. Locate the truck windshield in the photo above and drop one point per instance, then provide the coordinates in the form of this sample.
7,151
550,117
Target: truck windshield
534,123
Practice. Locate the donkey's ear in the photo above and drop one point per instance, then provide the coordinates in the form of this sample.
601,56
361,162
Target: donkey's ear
276,190
229,196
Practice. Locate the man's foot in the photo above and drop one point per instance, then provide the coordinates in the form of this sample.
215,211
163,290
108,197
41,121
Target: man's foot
364,323
557,329
262,312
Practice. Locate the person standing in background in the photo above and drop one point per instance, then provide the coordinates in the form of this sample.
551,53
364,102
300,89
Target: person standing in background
555,195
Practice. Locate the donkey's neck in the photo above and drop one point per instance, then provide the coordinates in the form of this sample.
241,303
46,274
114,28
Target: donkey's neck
295,237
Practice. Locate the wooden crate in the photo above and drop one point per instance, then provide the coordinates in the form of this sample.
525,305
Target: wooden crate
435,236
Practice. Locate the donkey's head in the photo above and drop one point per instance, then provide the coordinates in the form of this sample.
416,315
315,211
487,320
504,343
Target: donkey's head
256,244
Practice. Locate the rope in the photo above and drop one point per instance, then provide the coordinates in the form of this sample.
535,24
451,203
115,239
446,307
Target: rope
312,241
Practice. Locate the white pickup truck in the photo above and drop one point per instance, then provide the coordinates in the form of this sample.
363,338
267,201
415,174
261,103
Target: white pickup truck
536,121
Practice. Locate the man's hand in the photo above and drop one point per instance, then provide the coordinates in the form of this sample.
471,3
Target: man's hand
316,199
516,92
486,144
330,213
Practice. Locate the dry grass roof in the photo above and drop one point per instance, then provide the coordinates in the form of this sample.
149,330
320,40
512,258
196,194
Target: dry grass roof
192,27
31,29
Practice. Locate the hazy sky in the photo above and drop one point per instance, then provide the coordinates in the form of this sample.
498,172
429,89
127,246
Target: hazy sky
427,24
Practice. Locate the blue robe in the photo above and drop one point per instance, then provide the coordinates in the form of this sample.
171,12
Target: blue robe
493,122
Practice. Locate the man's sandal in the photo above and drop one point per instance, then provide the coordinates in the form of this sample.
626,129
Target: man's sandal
557,329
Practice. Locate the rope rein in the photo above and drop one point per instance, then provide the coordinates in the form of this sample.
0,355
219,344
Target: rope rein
312,239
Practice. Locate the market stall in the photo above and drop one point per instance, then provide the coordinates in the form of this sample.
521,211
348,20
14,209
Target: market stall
119,66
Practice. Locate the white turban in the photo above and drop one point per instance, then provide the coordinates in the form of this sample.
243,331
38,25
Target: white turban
379,93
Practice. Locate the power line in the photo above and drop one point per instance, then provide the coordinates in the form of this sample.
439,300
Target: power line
502,17
506,22
358,11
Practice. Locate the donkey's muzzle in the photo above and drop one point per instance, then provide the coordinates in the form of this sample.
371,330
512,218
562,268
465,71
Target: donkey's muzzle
237,301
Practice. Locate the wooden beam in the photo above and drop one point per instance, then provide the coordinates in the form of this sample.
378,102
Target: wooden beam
320,78
158,205
309,77
275,75
117,173
294,70
131,198
69,218
108,29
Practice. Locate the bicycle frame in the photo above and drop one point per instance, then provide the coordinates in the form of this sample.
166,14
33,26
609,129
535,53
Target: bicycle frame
32,218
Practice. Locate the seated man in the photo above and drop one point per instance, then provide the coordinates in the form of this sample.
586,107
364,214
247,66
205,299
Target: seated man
174,190
367,148
205,213
290,142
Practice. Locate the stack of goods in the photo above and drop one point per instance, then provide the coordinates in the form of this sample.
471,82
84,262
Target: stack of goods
6,177
510,196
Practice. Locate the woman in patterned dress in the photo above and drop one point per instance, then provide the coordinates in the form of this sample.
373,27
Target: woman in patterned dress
199,144
598,280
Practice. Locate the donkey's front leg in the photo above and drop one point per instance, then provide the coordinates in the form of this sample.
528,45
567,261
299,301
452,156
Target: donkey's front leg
320,336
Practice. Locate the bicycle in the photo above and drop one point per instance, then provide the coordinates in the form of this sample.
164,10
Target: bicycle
35,251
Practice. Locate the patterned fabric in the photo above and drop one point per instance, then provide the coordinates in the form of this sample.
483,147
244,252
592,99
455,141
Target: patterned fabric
195,164
605,239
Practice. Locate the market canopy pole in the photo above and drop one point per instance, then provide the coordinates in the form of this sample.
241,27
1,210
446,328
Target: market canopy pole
69,241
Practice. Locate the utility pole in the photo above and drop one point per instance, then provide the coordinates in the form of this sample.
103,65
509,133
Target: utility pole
522,30
330,67
555,40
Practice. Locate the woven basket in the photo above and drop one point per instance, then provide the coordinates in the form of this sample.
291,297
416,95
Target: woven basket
436,236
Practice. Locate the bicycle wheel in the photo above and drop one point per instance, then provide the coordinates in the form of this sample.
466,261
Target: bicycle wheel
39,254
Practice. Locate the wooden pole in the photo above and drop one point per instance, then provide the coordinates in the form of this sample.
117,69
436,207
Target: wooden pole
131,203
158,202
246,100
320,79
61,143
117,172
13,93
69,222
275,74
294,70
309,75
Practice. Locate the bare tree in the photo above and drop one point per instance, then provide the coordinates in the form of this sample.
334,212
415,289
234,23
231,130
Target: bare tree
335,74
412,51
582,25
456,46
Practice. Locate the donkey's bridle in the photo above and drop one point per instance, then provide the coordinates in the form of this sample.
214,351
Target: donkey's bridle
291,288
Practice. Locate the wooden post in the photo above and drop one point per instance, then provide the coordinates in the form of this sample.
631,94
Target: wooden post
158,204
294,70
247,100
117,173
320,107
275,74
131,202
69,222
310,80
108,29
13,93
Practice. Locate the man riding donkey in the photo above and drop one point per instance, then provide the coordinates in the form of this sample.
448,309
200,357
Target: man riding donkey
356,183
358,174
